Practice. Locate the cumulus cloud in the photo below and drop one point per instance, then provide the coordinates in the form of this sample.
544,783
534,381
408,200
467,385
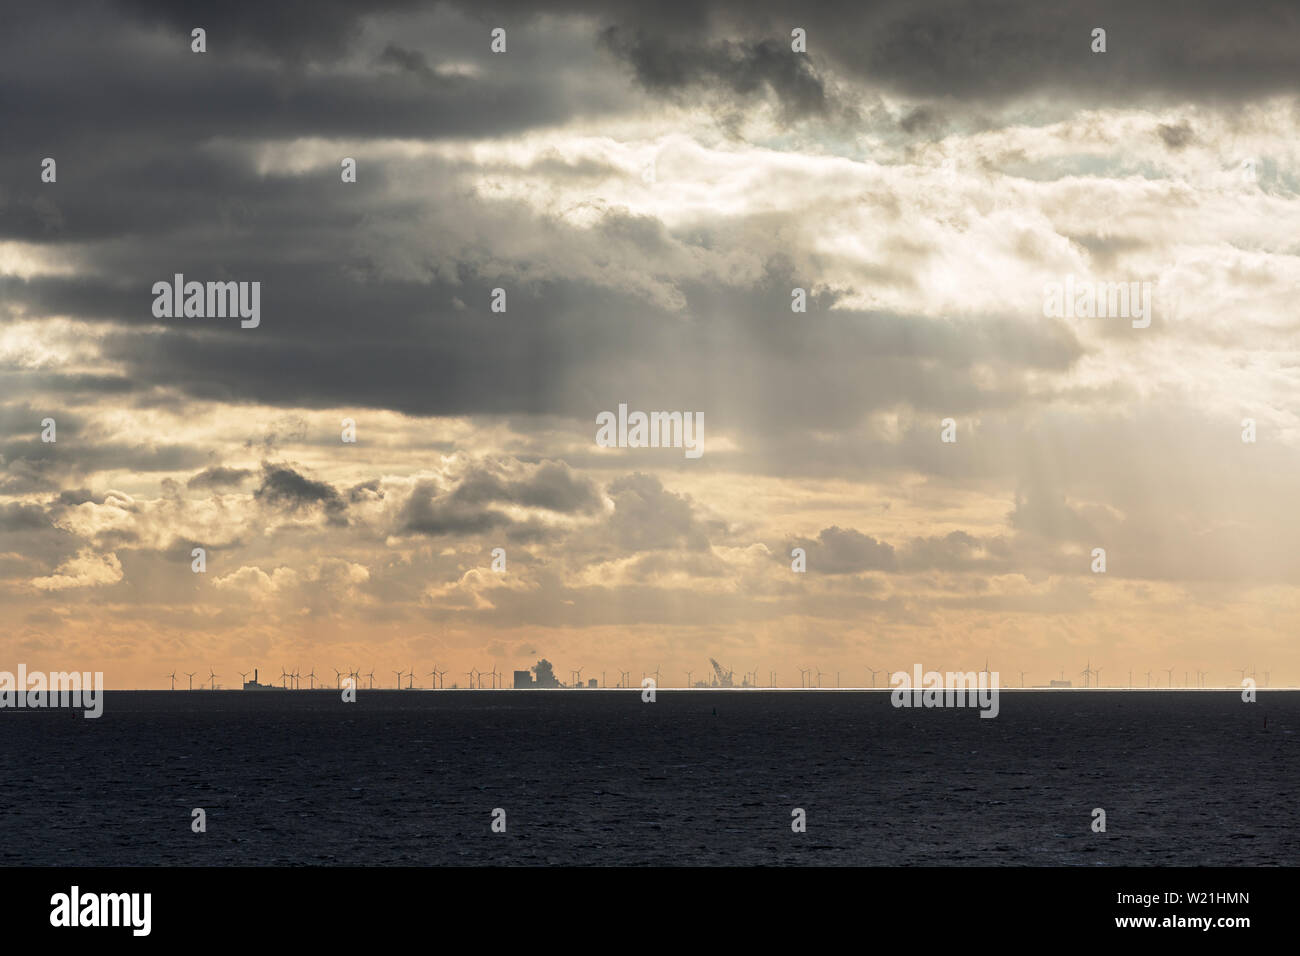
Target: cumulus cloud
86,570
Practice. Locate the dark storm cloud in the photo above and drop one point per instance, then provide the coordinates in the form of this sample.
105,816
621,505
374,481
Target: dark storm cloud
34,465
114,87
22,420
746,69
845,551
288,29
168,190
955,551
366,491
74,496
20,517
283,487
1176,136
648,517
553,486
412,61
426,512
65,386
994,50
337,331
741,358
839,551
218,477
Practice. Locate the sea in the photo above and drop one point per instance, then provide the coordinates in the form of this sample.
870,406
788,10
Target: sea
694,778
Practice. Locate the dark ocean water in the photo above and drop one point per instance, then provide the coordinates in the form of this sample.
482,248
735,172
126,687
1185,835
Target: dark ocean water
598,777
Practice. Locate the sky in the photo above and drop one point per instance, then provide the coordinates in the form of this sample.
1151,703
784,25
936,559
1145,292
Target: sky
649,185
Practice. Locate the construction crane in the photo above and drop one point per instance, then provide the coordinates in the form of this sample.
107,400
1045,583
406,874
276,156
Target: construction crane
722,678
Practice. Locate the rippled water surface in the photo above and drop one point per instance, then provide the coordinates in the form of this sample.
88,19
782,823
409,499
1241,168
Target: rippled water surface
697,777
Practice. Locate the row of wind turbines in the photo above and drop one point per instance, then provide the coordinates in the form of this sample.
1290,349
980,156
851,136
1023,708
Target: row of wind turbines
212,675
1092,676
292,679
493,679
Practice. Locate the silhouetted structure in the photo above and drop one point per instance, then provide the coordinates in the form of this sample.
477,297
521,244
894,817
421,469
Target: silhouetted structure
545,672
254,685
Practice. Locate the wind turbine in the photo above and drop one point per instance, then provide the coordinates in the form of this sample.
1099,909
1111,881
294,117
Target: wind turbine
804,672
1097,674
625,678
441,684
874,672
371,677
243,678
213,675
688,678
410,678
338,678
284,678
355,674
819,678
1170,671
1022,678
471,675
656,675
1086,673
311,678
297,678
399,678
172,675
434,674
190,675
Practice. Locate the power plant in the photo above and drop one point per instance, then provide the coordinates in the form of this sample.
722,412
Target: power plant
254,685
